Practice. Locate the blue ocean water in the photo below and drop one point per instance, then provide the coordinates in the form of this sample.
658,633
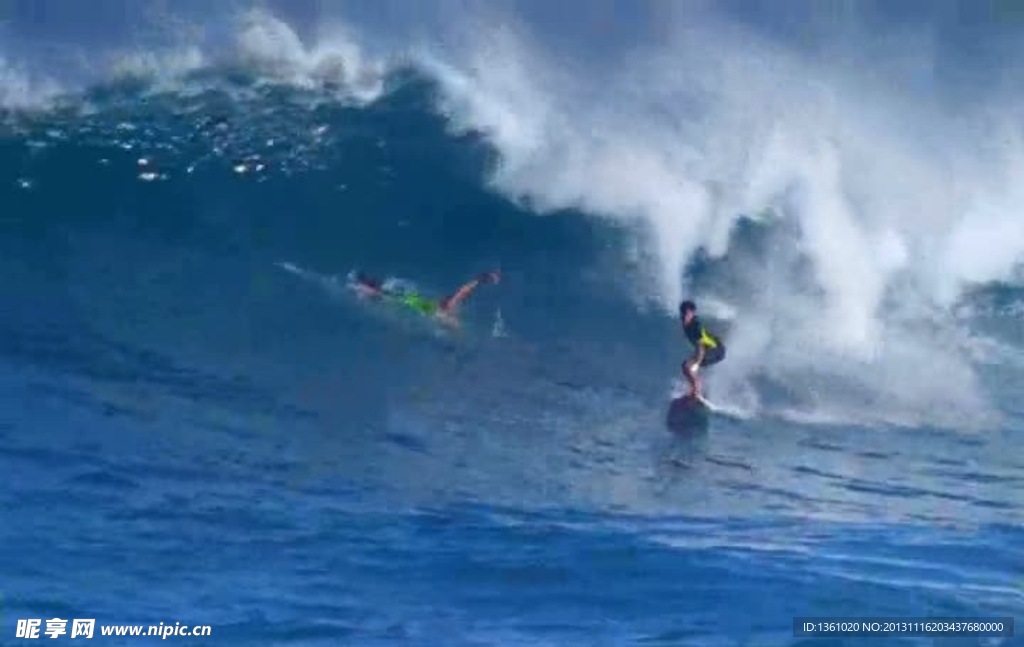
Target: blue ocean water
191,432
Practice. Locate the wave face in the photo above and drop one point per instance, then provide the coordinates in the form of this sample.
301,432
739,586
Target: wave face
835,191
186,189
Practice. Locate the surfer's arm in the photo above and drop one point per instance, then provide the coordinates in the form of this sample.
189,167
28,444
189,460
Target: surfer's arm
449,303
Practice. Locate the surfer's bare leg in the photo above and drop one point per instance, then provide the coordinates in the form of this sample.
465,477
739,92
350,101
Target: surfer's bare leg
690,373
690,368
449,304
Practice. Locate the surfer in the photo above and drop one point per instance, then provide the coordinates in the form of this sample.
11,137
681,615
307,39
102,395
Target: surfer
708,348
445,309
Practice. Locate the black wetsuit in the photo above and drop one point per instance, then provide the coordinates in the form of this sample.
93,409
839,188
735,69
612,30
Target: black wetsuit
714,349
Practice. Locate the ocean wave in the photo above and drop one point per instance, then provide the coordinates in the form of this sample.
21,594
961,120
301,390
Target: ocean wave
257,44
811,202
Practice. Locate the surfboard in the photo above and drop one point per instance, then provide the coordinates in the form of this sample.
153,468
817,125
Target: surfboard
688,415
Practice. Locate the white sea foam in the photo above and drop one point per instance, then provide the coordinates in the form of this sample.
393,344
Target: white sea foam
21,89
875,196
329,59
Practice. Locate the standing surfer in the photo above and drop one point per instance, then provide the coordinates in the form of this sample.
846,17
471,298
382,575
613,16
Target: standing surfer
708,349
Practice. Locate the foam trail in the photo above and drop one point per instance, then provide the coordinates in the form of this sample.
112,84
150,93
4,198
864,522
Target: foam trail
328,282
499,329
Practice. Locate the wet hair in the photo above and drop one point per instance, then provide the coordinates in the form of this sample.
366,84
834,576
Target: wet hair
687,306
